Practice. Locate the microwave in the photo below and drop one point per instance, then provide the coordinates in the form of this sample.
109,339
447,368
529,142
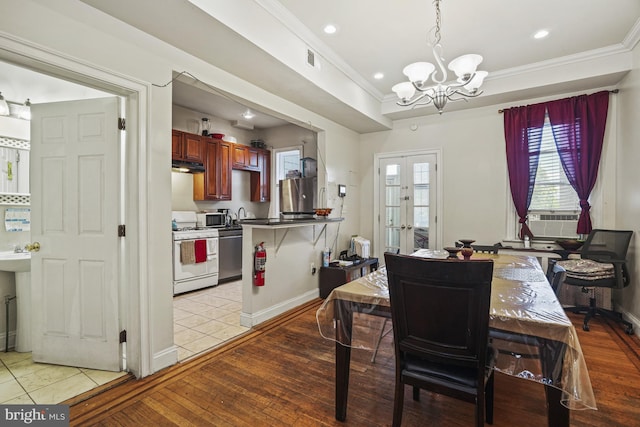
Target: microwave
211,219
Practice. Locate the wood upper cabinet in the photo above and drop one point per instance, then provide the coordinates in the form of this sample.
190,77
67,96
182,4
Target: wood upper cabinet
245,157
187,146
215,182
261,180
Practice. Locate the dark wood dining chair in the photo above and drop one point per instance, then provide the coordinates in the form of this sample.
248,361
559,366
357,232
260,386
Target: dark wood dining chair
556,275
440,316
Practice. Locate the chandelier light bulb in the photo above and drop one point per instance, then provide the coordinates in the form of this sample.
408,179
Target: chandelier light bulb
4,107
418,72
465,65
25,111
475,83
404,90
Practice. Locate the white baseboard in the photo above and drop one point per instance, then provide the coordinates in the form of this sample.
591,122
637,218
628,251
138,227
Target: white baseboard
165,358
249,320
12,341
630,318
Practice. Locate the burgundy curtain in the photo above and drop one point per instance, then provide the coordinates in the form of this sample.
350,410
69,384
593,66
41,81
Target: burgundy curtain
578,125
523,133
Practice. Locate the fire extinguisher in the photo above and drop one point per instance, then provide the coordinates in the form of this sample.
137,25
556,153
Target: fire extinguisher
259,264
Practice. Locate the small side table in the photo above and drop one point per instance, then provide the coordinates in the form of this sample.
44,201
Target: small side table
333,276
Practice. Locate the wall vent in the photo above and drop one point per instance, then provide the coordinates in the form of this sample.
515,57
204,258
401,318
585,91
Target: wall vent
311,58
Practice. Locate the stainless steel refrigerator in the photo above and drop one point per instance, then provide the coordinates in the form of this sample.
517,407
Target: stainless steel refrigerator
298,195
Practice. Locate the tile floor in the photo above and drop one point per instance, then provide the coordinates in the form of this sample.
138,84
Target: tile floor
207,318
202,320
22,381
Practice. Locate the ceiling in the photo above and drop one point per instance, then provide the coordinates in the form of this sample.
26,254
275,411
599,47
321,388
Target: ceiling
585,38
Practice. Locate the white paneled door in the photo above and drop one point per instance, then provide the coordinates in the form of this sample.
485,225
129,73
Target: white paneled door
407,203
75,209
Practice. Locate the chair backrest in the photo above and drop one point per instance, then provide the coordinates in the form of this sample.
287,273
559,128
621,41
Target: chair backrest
604,245
556,275
440,308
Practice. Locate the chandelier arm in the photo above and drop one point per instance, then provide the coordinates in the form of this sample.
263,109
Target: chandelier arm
465,94
414,100
437,53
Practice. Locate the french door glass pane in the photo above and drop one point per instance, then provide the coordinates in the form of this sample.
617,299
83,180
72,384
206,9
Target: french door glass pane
421,173
393,238
421,195
393,196
420,238
393,216
392,174
421,216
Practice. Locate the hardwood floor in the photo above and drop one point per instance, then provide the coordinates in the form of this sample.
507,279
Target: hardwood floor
282,374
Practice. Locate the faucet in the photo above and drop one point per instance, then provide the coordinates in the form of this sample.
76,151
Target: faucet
241,208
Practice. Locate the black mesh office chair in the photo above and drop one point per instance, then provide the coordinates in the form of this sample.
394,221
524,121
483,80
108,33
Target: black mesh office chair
602,264
440,315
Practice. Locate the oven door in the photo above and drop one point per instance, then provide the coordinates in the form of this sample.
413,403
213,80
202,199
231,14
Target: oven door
189,271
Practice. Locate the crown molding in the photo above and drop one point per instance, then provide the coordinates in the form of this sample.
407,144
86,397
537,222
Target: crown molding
633,37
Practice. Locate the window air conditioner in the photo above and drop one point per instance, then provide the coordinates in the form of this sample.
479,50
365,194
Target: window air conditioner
553,225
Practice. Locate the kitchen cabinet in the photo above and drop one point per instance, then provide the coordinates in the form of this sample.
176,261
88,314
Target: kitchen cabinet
245,157
333,276
260,180
187,146
215,182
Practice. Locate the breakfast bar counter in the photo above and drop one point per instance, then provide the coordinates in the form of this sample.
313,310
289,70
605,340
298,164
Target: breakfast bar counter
293,258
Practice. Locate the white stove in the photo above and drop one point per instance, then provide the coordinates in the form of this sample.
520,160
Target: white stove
195,254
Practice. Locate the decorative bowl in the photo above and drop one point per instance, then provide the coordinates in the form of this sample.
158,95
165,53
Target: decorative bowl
466,242
570,244
218,135
322,211
453,251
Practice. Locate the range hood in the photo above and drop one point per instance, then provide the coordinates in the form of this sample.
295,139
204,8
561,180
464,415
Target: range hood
186,167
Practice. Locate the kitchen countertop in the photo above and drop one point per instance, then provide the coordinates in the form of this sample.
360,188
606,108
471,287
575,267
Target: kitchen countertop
285,223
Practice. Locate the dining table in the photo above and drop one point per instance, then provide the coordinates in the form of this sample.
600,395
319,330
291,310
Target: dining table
528,328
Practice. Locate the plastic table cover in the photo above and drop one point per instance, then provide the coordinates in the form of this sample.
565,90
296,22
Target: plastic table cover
534,337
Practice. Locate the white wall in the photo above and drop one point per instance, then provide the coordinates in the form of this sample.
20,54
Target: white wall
628,213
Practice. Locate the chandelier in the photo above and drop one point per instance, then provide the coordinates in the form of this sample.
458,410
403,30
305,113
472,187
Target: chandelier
466,86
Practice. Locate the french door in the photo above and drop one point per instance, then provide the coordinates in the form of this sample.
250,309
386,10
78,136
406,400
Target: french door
407,211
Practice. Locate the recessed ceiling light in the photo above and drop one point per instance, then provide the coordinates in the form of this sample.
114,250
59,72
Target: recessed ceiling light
248,115
541,34
330,29
378,76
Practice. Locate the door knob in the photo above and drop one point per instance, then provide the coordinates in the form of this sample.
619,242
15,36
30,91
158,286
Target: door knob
402,226
33,247
409,227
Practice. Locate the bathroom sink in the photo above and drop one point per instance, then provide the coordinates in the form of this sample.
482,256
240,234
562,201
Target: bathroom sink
20,264
15,261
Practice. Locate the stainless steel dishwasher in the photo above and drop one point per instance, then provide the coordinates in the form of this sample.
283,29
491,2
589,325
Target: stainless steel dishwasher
229,254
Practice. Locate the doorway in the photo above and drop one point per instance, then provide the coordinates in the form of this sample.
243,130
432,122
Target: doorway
72,381
407,190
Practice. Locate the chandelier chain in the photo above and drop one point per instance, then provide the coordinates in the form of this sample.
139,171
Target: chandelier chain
438,21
